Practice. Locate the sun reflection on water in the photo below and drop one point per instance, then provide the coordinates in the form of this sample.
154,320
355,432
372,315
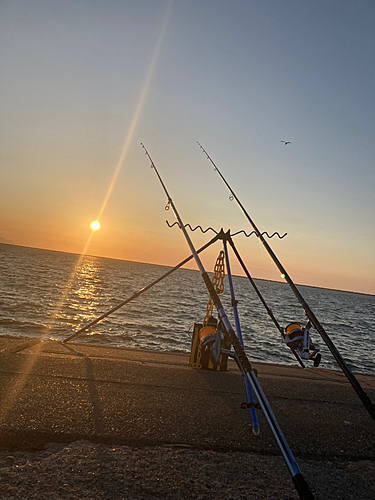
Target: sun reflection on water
84,296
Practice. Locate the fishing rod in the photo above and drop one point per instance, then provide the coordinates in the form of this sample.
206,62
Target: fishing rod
254,419
257,291
297,477
137,294
368,404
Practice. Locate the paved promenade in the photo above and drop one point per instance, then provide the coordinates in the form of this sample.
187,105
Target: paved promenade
52,392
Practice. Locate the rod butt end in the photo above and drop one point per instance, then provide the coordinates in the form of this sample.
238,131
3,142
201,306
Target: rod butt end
302,487
256,430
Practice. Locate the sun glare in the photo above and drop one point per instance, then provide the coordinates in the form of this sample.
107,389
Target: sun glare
95,225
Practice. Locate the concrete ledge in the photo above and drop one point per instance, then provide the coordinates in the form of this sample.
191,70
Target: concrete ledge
58,392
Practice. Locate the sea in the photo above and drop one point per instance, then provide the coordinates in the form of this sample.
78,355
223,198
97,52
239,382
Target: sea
50,295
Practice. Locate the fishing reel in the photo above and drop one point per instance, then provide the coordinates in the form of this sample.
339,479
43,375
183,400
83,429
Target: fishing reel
299,340
210,345
211,340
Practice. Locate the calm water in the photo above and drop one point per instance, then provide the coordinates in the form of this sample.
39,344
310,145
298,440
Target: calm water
48,294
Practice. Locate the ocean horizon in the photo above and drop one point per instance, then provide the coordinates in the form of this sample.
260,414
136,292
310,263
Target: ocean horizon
190,269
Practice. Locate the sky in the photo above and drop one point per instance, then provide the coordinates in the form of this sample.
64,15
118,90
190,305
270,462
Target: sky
84,82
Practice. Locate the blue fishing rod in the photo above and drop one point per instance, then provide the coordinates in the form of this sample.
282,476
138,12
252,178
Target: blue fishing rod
137,294
368,404
298,479
249,392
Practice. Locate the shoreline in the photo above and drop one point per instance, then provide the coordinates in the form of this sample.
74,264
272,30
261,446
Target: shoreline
291,364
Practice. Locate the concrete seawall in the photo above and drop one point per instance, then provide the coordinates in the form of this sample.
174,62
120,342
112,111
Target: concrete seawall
53,392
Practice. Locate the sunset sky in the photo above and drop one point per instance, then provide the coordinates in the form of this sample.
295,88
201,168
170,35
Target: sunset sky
84,82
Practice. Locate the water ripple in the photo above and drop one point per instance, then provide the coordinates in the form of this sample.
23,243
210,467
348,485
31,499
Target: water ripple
44,295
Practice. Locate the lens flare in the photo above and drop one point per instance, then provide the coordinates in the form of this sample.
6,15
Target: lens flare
138,109
95,225
20,381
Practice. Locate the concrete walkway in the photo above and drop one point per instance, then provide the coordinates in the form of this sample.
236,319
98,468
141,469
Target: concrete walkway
53,392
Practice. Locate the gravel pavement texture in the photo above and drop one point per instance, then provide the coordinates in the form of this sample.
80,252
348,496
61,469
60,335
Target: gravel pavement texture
80,421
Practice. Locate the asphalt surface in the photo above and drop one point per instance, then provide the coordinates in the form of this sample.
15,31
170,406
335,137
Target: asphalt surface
53,392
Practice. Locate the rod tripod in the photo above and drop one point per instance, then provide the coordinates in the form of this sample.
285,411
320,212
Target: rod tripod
251,383
298,480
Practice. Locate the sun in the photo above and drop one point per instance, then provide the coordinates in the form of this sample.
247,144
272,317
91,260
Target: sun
95,225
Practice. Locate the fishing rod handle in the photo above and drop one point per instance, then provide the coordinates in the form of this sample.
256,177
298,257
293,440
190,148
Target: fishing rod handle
298,480
302,487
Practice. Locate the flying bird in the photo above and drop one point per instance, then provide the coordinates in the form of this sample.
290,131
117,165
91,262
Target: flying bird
286,142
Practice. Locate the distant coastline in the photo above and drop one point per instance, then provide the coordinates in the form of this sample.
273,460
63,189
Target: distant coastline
7,242
185,269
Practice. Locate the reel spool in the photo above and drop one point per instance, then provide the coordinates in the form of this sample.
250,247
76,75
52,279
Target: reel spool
298,339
